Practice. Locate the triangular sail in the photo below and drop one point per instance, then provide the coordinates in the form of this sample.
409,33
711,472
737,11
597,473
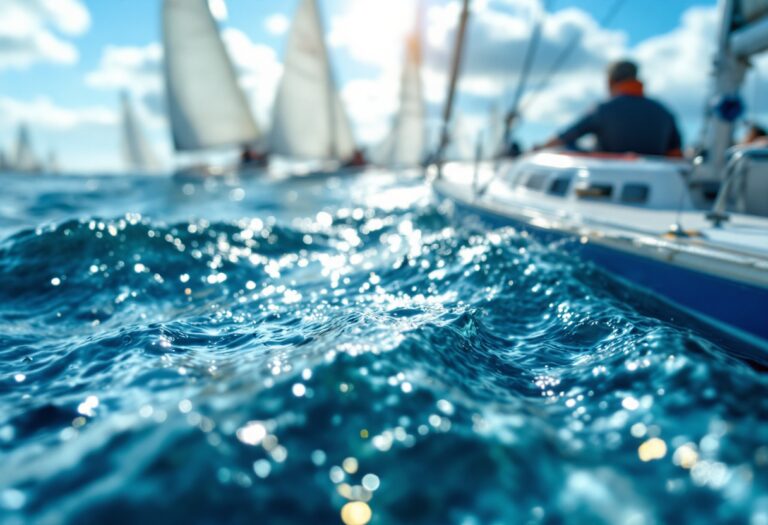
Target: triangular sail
206,106
26,160
137,152
309,120
494,143
406,143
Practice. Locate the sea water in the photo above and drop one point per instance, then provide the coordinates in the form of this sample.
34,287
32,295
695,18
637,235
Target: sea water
345,350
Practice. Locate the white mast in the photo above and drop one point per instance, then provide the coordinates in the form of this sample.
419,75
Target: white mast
137,152
743,33
309,120
206,106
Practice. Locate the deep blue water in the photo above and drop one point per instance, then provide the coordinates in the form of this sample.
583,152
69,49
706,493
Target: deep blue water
268,352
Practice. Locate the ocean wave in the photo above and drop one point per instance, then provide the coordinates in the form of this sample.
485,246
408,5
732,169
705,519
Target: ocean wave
276,368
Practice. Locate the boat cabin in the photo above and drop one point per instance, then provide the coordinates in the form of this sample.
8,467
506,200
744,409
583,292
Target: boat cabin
610,179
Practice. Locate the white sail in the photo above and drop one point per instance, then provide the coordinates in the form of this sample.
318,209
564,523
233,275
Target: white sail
137,153
26,160
494,139
406,142
308,119
206,106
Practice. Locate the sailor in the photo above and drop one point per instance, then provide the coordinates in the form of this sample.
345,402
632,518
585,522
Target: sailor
511,148
357,160
628,122
251,158
755,135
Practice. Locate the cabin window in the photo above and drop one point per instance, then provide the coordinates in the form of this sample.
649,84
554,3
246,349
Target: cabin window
635,193
595,191
536,181
560,186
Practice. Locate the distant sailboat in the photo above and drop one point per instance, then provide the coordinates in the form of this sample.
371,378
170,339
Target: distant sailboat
53,166
206,106
405,145
309,120
137,153
26,161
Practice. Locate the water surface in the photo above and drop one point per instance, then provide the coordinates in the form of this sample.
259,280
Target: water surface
277,352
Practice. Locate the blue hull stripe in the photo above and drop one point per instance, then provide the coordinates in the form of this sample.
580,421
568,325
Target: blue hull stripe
730,302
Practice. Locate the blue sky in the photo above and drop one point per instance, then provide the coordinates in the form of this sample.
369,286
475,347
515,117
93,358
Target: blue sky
65,83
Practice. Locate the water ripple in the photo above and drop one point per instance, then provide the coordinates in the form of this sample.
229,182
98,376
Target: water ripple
237,366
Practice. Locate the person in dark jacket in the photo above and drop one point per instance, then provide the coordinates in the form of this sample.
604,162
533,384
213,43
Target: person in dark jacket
628,122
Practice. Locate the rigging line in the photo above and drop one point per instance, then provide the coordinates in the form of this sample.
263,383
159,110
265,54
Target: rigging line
567,51
530,54
458,53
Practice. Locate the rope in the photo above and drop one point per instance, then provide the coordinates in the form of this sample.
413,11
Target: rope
530,54
566,52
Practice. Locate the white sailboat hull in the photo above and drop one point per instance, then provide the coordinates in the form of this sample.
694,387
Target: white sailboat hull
720,274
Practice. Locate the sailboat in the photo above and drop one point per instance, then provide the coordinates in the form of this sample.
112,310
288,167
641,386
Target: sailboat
309,122
655,223
137,153
26,161
52,166
207,108
404,147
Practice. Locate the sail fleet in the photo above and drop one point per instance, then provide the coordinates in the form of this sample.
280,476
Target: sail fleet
208,111
207,108
23,158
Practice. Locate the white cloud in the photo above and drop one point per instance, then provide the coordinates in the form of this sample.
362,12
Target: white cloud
677,66
373,33
139,70
136,69
70,16
277,24
371,103
33,31
218,9
43,113
259,69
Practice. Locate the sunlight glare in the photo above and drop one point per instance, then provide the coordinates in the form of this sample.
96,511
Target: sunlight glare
218,9
374,31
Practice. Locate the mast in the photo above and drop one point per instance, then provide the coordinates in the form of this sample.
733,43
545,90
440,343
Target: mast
743,33
458,55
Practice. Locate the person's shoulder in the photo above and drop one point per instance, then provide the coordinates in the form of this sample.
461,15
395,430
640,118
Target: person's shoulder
658,105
